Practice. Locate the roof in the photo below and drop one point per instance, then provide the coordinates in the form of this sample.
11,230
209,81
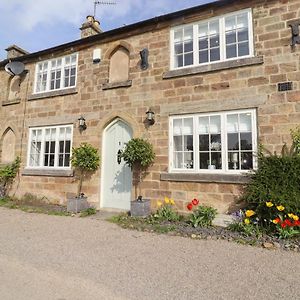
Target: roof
142,26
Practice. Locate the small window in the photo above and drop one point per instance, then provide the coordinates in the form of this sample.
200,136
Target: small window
218,39
56,74
217,142
50,147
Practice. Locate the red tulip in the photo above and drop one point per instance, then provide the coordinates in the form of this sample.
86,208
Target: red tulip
195,202
190,206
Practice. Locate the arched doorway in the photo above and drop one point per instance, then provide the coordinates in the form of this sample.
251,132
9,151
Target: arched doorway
116,176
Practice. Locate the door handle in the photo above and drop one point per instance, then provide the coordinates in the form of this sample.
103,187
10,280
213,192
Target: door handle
119,156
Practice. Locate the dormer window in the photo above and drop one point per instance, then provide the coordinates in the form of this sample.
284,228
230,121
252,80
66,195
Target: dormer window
218,39
56,74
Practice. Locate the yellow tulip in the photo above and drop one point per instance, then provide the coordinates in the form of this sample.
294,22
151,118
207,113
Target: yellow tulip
172,202
269,204
280,207
159,203
295,218
291,215
249,213
247,221
167,200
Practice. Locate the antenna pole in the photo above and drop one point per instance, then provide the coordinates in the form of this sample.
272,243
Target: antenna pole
102,3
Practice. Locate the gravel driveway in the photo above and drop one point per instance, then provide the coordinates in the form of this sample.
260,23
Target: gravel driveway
47,257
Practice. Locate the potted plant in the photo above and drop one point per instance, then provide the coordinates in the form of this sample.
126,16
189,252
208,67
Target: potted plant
85,159
139,155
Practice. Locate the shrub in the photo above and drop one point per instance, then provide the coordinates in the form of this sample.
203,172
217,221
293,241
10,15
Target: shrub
138,155
85,159
277,180
295,133
7,175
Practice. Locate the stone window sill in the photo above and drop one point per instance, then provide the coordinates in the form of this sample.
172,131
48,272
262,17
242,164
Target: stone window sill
115,85
242,62
49,173
53,94
11,102
205,178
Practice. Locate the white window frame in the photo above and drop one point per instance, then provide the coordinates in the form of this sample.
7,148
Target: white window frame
62,79
222,40
56,153
224,151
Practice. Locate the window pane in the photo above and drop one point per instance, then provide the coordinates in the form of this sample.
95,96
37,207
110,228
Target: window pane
177,126
242,21
215,124
243,49
72,81
246,141
178,143
233,161
232,123
243,35
247,160
204,142
214,41
231,51
230,23
203,30
245,122
187,126
204,160
216,142
203,56
188,160
178,160
67,146
188,143
178,48
203,44
188,59
216,160
233,141
178,35
178,61
188,33
215,54
188,46
203,124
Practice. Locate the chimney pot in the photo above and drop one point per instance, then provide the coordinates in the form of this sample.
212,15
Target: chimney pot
90,27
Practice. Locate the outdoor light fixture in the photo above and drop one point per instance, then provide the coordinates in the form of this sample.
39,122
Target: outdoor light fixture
150,116
82,125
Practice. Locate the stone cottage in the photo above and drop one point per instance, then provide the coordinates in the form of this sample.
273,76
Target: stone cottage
221,78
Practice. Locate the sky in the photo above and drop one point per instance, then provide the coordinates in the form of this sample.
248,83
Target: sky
35,25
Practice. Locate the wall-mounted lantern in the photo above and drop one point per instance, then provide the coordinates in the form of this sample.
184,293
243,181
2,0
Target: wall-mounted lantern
82,124
150,116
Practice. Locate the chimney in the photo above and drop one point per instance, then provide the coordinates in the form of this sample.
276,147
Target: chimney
90,27
14,51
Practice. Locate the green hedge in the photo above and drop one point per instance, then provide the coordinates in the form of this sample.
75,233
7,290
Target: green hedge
277,180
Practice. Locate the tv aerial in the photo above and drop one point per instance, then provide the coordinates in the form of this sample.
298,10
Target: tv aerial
102,3
15,68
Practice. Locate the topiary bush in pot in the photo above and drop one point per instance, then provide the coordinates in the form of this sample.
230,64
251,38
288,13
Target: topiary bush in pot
85,159
138,155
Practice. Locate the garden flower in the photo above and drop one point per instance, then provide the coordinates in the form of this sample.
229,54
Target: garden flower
288,222
189,206
247,221
276,221
172,202
290,215
294,217
280,207
269,204
159,203
283,225
249,213
195,202
296,223
167,200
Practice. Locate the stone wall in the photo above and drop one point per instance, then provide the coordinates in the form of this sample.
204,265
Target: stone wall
248,84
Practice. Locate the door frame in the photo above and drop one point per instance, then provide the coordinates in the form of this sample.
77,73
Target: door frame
110,124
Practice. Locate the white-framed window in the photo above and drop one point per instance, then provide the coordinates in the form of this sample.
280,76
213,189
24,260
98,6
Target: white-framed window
218,39
56,74
50,147
220,142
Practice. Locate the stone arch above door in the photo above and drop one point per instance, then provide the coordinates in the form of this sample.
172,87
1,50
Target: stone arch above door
8,146
132,122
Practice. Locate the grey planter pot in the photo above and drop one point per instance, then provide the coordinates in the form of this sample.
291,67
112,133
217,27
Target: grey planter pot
76,205
140,208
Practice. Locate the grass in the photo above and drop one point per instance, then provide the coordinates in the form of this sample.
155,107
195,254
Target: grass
30,206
